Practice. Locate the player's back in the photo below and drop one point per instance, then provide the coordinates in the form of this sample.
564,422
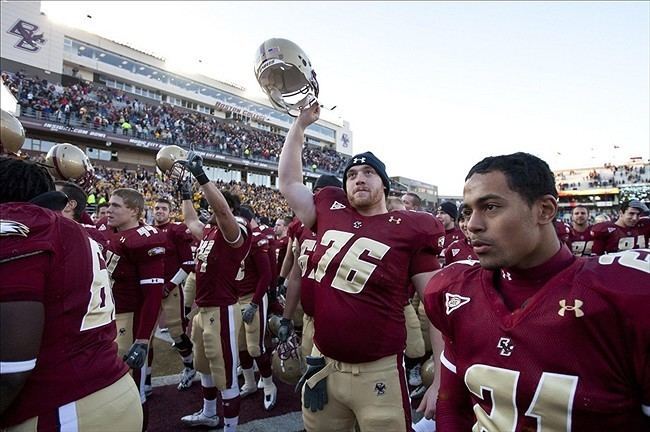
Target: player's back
78,355
609,237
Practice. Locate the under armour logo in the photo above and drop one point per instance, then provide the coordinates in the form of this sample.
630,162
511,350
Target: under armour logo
122,331
576,308
505,346
380,388
211,320
506,275
454,301
359,160
29,40
357,224
395,220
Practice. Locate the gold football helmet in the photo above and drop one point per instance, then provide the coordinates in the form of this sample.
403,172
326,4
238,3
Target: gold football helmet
12,133
274,324
287,362
427,372
68,162
285,73
170,160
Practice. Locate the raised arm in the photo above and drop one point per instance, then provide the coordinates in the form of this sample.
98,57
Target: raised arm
226,221
299,197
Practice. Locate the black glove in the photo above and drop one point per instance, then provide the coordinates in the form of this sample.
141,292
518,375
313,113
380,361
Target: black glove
282,289
249,313
195,166
185,189
137,355
285,329
314,398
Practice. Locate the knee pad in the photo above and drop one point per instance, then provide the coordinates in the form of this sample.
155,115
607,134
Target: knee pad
184,346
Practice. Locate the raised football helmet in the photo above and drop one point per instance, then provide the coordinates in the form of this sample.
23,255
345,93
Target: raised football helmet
68,162
427,372
287,362
12,133
285,73
171,161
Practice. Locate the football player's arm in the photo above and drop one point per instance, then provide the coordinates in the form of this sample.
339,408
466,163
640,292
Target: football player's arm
192,219
232,232
151,274
299,197
453,409
288,260
293,287
20,338
183,244
261,259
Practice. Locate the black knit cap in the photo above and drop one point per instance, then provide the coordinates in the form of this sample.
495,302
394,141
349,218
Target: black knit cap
368,158
327,180
449,208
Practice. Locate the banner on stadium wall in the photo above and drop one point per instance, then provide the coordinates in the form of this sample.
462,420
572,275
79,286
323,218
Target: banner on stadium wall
582,192
238,110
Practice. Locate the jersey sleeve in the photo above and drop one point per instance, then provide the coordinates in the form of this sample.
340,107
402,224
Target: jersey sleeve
599,237
183,241
260,256
429,232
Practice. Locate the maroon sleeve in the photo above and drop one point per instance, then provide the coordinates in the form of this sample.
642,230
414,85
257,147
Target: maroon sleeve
23,279
599,236
260,257
426,259
183,240
85,219
454,405
151,273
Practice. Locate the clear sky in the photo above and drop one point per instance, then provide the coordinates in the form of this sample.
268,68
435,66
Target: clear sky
429,87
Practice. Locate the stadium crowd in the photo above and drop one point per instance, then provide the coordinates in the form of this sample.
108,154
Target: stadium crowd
95,106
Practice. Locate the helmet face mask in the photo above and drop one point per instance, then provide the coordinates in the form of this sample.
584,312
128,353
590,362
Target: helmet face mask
68,162
12,134
287,362
285,74
171,161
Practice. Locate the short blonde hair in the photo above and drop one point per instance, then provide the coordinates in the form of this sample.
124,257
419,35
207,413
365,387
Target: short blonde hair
132,199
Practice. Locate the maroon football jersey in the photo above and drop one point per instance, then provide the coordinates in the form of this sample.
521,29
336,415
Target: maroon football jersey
102,224
306,241
178,248
136,263
78,355
217,265
459,250
273,259
609,237
580,243
563,230
280,249
362,267
573,356
254,274
99,236
451,236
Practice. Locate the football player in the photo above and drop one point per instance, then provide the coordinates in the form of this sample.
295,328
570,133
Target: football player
136,264
75,209
412,201
179,263
225,242
536,338
447,214
580,241
59,368
364,259
300,287
621,235
460,249
252,282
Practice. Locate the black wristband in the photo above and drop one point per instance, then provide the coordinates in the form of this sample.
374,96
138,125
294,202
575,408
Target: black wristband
202,178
